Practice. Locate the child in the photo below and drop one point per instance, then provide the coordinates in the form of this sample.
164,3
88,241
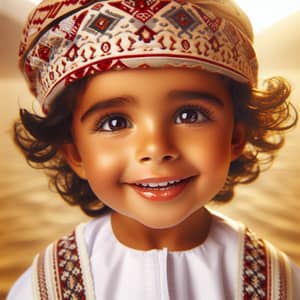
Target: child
152,110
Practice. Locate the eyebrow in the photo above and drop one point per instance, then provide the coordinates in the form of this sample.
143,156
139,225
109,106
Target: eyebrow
104,104
173,95
201,95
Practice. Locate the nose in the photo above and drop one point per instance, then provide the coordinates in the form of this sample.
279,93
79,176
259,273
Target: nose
156,146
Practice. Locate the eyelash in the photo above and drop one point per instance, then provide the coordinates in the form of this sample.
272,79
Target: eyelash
99,124
205,112
102,121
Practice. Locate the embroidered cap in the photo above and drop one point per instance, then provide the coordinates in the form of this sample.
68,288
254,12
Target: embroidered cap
65,40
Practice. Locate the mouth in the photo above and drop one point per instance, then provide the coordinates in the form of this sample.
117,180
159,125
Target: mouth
160,189
159,185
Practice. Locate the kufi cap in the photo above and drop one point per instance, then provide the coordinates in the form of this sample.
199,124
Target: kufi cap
66,40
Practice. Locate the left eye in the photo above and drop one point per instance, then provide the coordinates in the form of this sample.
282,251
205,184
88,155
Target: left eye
114,123
190,116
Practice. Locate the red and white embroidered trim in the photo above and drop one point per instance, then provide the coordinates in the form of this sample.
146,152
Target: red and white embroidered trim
63,271
265,273
66,40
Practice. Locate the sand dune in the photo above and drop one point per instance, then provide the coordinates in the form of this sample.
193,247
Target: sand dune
31,216
278,47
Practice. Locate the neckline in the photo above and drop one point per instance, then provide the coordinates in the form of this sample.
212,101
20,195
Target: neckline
208,241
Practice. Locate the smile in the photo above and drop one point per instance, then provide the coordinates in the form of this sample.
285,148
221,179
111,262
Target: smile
164,184
162,191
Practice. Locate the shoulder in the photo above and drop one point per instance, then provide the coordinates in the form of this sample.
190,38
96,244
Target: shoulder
260,255
85,234
22,290
226,231
95,230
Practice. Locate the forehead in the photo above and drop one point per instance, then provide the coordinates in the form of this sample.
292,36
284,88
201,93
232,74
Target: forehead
154,82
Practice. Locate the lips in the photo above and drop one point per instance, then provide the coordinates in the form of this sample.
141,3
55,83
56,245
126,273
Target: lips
160,190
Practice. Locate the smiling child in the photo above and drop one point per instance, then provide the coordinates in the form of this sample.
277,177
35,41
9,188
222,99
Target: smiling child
151,111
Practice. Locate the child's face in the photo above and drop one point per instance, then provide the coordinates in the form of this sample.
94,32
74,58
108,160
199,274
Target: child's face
136,129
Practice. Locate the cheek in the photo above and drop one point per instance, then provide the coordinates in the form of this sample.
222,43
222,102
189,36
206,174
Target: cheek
213,158
211,148
103,166
210,155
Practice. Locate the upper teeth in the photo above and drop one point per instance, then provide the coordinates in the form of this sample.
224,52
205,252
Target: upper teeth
158,184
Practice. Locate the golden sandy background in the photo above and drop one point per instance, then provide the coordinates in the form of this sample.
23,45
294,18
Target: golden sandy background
31,216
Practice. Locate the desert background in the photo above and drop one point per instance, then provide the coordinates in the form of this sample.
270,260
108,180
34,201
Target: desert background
31,216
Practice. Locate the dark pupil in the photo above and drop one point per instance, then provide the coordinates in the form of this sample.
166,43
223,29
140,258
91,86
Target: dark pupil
189,116
117,122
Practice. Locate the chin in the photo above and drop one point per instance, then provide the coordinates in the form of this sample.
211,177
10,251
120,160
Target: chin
160,226
162,223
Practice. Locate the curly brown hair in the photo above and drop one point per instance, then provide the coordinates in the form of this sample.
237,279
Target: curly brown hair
266,113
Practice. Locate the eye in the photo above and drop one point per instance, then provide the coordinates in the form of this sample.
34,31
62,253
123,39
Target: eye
191,115
113,123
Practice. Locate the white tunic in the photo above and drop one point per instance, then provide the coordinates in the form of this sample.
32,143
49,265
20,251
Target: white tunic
208,271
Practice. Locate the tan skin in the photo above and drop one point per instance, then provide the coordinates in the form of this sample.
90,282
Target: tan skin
167,126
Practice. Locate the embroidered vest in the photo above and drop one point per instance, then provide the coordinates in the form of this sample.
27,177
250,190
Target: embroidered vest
62,271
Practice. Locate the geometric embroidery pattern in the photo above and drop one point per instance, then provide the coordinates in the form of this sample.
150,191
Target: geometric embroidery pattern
212,23
43,15
69,278
66,40
265,271
255,268
145,33
44,52
182,18
140,9
103,22
62,271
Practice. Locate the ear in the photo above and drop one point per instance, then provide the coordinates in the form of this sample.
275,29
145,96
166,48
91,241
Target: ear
238,141
72,156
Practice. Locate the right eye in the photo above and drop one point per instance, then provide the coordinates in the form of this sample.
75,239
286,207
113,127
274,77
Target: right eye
112,123
191,115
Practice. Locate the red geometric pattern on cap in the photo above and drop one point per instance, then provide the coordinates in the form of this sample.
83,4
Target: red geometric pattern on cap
93,35
145,33
212,23
70,33
44,52
46,14
181,18
101,23
142,10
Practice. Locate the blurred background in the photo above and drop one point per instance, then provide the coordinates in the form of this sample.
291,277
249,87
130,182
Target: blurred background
31,216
